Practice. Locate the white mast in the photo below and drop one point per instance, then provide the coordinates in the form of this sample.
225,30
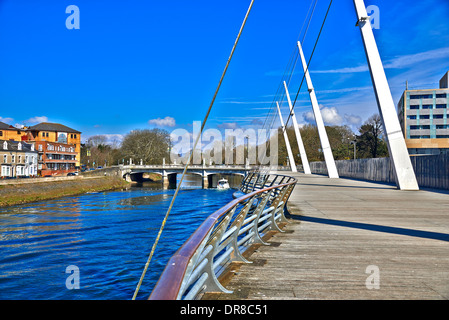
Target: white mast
287,143
325,146
405,175
302,150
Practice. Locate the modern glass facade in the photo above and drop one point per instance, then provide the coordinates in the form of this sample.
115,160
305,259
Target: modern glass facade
423,115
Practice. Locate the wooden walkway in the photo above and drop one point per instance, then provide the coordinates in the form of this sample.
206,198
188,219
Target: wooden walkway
338,229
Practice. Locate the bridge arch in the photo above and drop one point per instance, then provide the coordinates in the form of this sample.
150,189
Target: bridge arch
234,178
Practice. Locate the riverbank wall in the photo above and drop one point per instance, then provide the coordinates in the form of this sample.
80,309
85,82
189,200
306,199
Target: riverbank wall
19,192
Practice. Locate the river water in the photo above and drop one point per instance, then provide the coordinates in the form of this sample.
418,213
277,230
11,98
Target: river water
106,237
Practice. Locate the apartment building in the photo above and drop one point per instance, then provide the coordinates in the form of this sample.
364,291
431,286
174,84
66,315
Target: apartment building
55,158
58,146
423,115
17,159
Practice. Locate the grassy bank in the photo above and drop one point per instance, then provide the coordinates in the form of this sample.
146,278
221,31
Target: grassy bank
12,194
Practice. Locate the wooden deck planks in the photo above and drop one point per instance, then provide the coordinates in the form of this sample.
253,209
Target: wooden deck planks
341,227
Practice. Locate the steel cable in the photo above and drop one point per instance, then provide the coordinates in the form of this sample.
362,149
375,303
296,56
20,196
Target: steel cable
192,151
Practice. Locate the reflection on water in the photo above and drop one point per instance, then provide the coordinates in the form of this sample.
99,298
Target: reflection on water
190,181
107,235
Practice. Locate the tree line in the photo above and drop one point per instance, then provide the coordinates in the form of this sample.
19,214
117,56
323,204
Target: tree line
345,144
151,146
146,146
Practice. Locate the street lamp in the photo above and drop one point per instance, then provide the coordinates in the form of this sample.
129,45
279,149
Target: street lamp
354,142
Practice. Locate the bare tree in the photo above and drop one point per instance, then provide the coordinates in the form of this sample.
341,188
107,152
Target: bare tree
370,142
97,140
150,146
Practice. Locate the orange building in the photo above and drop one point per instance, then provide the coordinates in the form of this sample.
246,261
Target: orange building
57,133
64,142
8,132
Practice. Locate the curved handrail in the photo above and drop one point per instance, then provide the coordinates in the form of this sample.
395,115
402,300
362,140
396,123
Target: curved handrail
193,264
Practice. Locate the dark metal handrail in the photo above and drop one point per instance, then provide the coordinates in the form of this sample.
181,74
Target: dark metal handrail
221,239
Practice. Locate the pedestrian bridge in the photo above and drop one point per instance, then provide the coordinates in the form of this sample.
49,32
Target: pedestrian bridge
168,173
339,239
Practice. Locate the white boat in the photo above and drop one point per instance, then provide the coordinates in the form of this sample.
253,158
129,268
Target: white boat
223,184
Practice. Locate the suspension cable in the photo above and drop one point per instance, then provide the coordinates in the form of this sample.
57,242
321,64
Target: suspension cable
307,68
192,151
291,65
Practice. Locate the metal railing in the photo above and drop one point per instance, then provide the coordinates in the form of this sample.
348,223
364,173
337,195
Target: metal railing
223,238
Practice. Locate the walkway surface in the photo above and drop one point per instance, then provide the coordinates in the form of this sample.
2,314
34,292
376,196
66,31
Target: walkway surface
350,239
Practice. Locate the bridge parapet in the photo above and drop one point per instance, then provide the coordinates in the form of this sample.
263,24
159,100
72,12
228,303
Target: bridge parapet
222,239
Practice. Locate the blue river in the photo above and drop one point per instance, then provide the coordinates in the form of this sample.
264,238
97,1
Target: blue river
106,236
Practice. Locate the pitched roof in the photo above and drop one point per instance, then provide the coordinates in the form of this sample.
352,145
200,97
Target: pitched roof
13,146
5,126
47,126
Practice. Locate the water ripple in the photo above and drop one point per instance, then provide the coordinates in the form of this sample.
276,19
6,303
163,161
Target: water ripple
107,235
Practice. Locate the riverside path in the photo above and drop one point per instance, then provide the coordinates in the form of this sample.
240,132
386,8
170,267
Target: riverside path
349,239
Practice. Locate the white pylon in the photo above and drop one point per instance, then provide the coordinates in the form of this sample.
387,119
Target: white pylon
325,146
287,143
405,175
302,150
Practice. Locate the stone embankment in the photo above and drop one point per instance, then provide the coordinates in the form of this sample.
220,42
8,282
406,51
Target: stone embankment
30,190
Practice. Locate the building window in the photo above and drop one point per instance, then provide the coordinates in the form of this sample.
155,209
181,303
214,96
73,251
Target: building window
444,136
13,158
441,106
5,158
1,133
422,96
20,158
5,171
414,107
440,95
438,116
427,106
411,117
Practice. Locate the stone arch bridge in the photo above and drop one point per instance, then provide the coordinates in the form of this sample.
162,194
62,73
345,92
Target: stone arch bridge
169,172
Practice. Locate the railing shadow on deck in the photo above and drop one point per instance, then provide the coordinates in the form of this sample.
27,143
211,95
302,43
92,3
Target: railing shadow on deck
374,227
223,238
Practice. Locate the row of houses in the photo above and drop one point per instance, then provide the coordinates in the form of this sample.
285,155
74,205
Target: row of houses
46,149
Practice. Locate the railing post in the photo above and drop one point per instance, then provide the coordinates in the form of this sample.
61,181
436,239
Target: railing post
285,199
277,208
238,222
191,266
260,208
212,284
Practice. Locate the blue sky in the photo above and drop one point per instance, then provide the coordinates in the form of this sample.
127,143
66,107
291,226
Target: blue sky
132,64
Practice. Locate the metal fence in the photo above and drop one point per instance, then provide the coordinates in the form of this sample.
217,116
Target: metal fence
223,238
430,171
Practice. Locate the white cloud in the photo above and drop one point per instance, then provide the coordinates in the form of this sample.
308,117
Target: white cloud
330,116
166,122
228,125
353,119
333,118
397,62
37,119
6,120
413,59
343,70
